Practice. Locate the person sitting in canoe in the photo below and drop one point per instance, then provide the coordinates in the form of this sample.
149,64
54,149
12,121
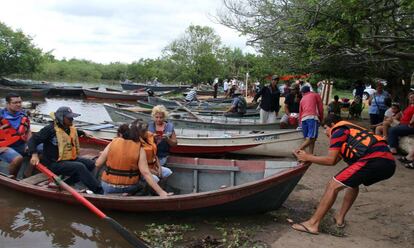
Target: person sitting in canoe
61,149
150,147
191,95
126,162
14,133
164,136
238,105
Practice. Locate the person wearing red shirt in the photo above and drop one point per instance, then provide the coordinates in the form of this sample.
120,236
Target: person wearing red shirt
405,128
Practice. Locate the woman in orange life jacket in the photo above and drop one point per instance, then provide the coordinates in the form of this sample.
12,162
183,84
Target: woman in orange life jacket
15,131
164,136
369,161
126,161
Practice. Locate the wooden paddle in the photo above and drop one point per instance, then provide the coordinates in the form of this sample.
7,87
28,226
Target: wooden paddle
127,235
189,111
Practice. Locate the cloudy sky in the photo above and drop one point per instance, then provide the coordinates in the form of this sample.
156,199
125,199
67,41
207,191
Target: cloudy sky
112,30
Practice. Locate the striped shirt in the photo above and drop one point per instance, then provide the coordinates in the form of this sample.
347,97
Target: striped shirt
380,149
191,96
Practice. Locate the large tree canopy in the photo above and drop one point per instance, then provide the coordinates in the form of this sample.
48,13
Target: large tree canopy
334,37
196,54
17,53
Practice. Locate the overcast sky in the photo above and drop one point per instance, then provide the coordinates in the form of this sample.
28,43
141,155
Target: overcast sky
112,30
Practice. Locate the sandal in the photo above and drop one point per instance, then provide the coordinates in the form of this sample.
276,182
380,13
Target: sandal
409,165
405,160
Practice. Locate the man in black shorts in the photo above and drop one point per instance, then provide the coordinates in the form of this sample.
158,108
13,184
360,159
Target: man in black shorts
369,161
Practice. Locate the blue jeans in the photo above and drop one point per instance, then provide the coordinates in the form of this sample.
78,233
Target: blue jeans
109,188
398,131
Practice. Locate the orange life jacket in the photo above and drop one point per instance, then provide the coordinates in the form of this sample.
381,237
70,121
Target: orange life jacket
358,141
9,135
122,162
150,149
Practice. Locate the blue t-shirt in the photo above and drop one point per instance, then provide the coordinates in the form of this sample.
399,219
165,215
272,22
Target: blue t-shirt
378,103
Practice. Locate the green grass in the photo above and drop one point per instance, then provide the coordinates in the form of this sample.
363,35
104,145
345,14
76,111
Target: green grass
342,93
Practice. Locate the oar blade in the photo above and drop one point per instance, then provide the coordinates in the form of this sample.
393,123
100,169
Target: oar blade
127,235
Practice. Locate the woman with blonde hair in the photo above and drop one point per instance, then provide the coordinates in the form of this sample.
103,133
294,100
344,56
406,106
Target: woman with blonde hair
126,161
164,136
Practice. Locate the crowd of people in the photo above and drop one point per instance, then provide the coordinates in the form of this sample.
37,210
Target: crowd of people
368,153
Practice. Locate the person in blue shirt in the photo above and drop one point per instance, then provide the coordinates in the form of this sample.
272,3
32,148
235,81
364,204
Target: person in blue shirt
238,105
377,105
14,133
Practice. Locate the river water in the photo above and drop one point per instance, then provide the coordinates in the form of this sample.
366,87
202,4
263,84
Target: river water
28,221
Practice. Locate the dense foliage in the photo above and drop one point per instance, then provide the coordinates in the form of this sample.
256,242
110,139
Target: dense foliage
337,38
17,53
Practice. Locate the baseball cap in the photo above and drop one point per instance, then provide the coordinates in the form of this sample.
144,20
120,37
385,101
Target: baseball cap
66,112
305,89
275,77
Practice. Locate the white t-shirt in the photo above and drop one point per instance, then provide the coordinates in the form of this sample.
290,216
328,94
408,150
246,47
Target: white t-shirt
389,113
225,85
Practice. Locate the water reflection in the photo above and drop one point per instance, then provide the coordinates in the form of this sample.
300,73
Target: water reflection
32,222
91,111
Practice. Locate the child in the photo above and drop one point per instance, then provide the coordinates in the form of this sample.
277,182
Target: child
391,119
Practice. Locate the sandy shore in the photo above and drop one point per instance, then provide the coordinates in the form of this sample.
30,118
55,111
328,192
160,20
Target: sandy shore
382,216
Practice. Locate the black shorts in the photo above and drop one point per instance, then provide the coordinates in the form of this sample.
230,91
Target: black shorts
366,172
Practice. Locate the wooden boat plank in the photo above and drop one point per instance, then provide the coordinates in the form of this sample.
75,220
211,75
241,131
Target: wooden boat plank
35,179
205,167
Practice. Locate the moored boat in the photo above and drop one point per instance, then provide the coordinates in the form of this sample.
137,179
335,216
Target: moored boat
153,87
190,141
25,91
113,94
118,114
200,186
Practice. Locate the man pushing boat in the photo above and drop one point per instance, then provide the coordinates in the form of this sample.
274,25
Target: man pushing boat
369,161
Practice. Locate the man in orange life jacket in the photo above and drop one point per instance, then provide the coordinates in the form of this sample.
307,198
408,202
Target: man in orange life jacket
14,132
369,161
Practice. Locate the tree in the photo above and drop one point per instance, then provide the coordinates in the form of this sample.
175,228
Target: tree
195,55
372,38
17,53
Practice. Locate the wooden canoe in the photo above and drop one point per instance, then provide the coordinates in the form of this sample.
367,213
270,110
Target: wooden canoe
113,94
25,91
125,115
154,87
190,141
202,186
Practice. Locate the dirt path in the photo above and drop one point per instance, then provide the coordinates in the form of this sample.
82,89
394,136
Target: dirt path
382,216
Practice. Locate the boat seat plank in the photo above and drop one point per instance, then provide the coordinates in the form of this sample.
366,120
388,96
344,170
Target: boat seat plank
204,167
38,178
273,167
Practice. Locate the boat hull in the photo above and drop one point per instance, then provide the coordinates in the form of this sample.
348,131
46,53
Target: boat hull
261,195
95,93
123,115
134,86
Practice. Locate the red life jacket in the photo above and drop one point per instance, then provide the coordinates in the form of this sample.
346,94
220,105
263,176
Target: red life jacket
9,135
358,142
